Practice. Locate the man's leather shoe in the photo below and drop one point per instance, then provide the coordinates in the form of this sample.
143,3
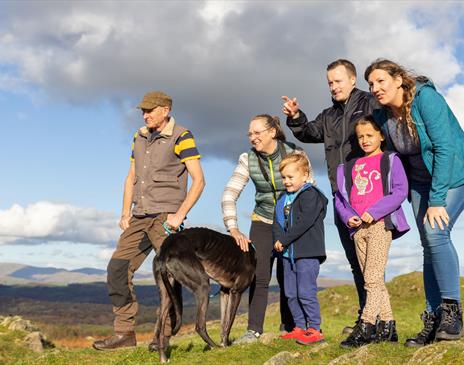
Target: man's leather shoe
118,340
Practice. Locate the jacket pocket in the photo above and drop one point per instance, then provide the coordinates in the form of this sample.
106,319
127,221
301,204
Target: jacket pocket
163,180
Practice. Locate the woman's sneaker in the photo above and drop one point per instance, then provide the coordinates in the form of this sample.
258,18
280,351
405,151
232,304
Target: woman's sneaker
310,336
250,336
297,331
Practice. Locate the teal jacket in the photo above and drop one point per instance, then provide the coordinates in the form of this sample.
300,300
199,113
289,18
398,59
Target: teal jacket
441,139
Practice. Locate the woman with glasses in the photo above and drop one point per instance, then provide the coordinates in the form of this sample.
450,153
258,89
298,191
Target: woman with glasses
261,164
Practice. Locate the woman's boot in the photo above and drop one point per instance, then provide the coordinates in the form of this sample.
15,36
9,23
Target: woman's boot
363,333
386,331
427,335
450,324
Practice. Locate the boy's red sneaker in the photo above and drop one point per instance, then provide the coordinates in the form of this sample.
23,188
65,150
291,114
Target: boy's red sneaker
296,333
310,336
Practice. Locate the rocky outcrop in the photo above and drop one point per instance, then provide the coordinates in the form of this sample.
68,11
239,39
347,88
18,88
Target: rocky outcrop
34,339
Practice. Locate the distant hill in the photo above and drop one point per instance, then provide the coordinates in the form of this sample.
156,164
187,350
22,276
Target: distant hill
11,274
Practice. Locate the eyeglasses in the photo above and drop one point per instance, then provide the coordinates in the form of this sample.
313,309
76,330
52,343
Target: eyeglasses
257,133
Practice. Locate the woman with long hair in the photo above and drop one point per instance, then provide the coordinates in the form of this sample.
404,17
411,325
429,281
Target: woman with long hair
419,124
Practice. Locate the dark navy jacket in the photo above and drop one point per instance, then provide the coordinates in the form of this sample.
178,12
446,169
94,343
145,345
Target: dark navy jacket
304,236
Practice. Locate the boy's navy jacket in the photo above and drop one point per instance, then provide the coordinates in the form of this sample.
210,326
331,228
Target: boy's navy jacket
304,237
395,191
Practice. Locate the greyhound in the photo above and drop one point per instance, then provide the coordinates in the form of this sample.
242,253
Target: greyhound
191,257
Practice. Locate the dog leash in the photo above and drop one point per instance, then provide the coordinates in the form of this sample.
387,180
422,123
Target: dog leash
169,231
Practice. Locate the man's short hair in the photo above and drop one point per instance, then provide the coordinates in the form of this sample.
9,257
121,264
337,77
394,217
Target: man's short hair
342,62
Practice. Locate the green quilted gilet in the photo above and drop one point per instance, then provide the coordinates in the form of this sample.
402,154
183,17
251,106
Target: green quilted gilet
264,197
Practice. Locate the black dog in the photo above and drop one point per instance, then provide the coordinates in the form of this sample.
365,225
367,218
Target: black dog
191,258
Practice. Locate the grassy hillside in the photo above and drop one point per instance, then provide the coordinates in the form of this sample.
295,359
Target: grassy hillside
338,309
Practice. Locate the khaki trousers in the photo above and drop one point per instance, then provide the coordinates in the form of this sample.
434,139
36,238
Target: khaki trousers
134,245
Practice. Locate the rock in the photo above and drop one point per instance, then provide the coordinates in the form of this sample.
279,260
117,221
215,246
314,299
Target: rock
37,342
22,325
16,323
281,358
34,341
355,357
267,338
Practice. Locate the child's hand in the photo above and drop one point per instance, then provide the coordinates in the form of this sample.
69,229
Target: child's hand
354,221
278,246
366,217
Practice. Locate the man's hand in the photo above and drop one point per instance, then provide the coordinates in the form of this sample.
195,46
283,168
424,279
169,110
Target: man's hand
354,221
173,221
241,240
367,218
438,214
124,222
278,246
291,107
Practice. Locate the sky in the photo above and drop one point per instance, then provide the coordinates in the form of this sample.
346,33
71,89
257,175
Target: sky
72,73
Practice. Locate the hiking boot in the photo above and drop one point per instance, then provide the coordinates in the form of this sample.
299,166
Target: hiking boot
293,335
363,333
385,331
153,346
310,336
427,335
450,320
118,340
250,336
348,329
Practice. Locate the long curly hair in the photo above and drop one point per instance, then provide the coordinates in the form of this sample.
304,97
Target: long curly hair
408,85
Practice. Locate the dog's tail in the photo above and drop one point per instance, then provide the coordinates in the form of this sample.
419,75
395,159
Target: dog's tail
173,296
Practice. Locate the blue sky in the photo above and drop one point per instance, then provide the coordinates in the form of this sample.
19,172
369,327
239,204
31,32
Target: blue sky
71,74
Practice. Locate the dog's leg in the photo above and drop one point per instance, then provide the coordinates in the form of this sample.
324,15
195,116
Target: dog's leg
202,296
224,305
165,304
234,301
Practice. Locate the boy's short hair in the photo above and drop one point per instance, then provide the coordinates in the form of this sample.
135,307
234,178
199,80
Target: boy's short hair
300,158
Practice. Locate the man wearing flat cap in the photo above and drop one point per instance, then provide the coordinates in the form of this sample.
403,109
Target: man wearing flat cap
155,194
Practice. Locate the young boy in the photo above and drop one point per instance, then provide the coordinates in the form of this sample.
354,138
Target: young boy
299,233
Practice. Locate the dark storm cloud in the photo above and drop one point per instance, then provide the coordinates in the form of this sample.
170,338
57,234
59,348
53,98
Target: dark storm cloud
220,67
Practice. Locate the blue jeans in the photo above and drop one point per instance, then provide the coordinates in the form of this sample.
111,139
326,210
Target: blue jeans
441,262
301,292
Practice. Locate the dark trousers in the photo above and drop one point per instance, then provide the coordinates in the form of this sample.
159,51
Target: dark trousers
262,238
350,253
301,291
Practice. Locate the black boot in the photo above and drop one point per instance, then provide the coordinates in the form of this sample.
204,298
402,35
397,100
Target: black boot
427,335
450,324
386,331
348,329
363,333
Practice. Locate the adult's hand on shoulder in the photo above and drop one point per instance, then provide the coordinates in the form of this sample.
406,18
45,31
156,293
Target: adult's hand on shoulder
241,240
291,107
438,215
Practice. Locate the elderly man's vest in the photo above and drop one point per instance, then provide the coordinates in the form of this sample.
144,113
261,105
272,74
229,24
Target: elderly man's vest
160,184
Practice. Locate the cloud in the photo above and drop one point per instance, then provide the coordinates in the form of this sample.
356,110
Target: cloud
223,62
51,222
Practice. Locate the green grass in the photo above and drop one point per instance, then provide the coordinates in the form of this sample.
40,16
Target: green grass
338,306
